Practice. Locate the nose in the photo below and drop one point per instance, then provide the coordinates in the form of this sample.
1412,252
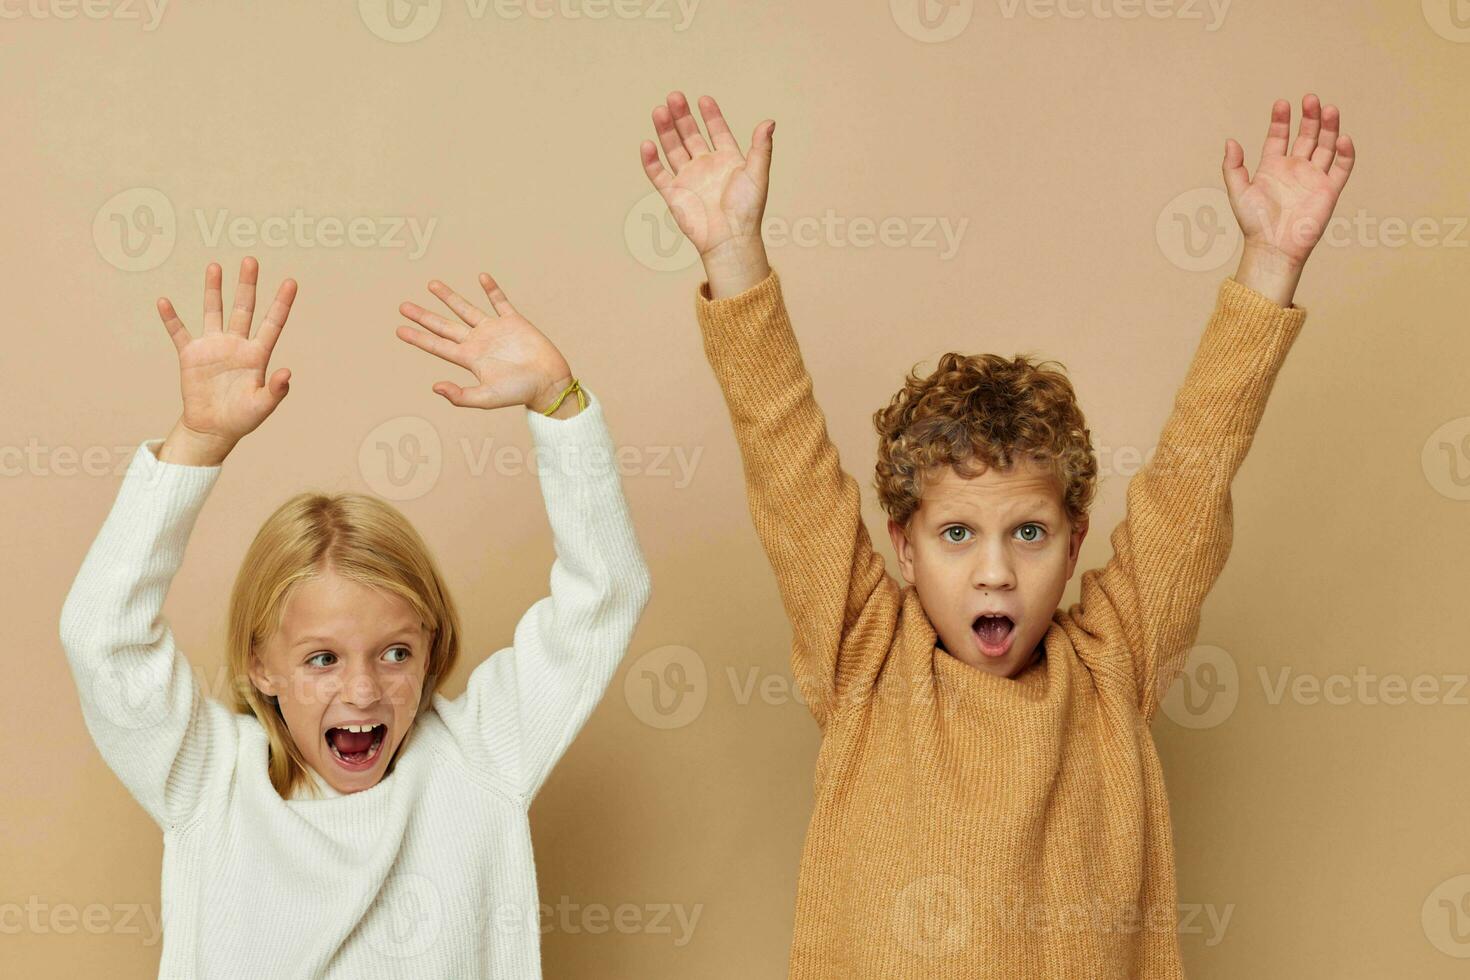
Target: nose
993,568
360,687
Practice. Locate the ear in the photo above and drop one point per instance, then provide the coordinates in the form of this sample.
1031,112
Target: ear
1074,546
258,676
904,548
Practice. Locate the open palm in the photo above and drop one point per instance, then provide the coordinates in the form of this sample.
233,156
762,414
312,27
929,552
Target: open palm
716,194
1288,203
515,363
222,371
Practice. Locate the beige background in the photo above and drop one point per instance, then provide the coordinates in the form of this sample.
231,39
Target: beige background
1076,151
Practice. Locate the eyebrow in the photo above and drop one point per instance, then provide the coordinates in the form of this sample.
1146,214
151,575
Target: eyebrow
398,633
1040,505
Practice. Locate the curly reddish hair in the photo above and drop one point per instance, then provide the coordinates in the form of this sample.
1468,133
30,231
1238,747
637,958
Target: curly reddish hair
978,411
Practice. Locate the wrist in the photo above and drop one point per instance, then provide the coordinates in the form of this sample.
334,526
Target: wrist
735,266
547,396
1269,272
187,447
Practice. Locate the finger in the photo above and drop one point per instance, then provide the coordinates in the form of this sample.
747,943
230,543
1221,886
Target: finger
278,385
441,325
463,308
1342,162
496,295
177,332
479,396
1278,131
437,346
668,138
213,299
653,167
714,121
1326,147
1236,178
244,310
758,163
1306,134
688,129
275,317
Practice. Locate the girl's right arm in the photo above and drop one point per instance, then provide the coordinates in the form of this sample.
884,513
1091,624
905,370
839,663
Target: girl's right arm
152,723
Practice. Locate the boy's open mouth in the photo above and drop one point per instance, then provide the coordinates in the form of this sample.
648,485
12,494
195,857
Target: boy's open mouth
356,751
993,634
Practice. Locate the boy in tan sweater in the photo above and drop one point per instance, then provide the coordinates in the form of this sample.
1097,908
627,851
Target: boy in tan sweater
989,799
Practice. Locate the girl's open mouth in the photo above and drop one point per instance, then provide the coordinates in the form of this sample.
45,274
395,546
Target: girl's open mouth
994,635
356,751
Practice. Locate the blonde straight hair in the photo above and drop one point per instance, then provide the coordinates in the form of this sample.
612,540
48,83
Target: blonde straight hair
358,537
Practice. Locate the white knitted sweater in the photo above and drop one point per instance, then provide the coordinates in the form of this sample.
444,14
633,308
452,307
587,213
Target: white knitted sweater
427,874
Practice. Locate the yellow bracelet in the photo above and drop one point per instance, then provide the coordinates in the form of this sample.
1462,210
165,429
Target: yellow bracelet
574,386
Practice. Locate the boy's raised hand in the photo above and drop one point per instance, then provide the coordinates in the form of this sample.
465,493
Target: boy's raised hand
716,193
514,362
1283,211
222,371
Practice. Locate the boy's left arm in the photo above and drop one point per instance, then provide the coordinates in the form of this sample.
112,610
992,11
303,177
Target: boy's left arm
1173,541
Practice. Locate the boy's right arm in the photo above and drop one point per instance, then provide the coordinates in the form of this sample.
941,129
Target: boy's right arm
842,603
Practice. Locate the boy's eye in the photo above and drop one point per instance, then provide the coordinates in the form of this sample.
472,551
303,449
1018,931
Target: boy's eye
950,536
1039,530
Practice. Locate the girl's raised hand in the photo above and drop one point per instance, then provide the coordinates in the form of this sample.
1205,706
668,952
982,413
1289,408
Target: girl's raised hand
222,371
716,194
514,362
1285,208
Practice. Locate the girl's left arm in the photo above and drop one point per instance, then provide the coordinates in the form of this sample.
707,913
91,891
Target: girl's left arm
525,704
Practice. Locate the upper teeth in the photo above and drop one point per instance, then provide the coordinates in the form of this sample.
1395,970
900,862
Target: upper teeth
357,728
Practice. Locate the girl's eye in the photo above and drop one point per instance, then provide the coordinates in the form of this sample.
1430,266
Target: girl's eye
1039,530
949,536
310,660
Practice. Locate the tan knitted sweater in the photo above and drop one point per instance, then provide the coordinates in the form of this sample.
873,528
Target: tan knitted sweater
968,825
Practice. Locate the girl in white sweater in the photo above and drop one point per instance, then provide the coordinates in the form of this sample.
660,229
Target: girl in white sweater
339,817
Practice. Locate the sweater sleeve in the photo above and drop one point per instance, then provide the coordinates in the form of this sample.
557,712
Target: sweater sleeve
523,706
842,603
144,708
1176,533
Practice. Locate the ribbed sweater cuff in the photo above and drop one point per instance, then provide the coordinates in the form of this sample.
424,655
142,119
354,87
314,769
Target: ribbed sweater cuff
573,447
